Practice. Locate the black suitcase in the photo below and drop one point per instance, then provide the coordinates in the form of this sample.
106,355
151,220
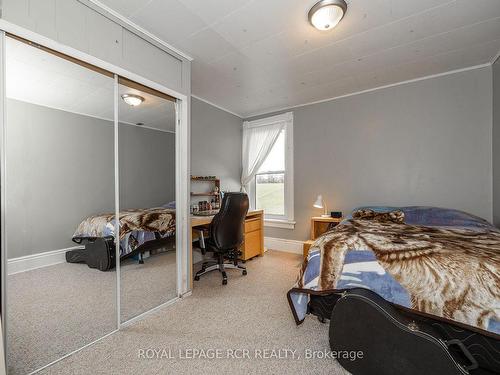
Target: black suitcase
99,253
390,342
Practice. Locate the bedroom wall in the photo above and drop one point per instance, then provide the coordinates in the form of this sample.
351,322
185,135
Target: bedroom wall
147,167
426,142
36,226
496,143
216,144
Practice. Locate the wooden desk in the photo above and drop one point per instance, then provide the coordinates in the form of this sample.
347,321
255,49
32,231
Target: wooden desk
253,244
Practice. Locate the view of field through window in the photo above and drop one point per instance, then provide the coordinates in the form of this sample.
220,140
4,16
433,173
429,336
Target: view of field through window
270,180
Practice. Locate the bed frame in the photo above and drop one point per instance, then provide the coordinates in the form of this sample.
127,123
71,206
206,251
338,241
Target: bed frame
101,250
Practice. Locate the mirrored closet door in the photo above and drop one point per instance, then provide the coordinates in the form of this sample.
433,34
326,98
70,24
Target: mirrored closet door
147,141
59,188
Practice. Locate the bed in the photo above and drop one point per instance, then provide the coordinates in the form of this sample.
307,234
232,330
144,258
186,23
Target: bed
434,264
140,230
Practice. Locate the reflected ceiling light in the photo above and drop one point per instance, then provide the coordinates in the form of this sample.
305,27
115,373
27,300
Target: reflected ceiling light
132,100
326,14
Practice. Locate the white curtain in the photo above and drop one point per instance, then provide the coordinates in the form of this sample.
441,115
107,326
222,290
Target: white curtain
258,140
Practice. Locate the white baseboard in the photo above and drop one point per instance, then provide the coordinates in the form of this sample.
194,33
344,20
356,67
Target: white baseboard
31,262
282,244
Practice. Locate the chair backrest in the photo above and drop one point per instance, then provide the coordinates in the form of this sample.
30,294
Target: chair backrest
226,229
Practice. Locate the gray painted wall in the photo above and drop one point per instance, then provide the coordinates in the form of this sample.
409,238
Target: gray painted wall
147,167
60,169
496,143
216,144
427,142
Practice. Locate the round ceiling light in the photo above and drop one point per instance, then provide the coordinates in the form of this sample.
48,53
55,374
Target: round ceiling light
132,99
326,14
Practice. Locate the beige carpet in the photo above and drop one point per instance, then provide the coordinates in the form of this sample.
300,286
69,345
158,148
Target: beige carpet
251,312
58,309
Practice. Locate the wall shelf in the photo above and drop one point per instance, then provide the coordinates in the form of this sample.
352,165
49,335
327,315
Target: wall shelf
215,181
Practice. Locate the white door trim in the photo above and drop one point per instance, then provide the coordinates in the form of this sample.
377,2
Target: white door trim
182,162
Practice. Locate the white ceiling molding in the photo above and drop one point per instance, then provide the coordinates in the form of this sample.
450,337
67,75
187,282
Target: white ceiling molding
218,106
497,56
124,21
374,89
257,57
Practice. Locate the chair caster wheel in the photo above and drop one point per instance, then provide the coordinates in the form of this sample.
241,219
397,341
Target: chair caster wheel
197,278
244,273
224,282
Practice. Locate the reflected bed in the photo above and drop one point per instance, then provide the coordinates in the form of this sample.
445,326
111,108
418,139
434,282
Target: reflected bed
140,230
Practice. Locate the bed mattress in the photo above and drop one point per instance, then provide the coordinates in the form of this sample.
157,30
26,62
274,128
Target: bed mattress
440,262
136,227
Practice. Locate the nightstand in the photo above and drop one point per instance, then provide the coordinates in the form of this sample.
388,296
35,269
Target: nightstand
320,225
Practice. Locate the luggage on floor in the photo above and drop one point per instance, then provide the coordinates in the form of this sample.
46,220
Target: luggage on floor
391,342
99,253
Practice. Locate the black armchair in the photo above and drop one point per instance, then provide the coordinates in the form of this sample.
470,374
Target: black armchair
226,235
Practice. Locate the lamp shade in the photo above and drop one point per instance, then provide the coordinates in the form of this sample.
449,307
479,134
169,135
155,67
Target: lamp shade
319,202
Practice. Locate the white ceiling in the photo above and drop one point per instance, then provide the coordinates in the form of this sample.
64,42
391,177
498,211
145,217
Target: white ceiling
255,56
38,77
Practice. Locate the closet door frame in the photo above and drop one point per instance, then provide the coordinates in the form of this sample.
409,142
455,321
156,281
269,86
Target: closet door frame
182,168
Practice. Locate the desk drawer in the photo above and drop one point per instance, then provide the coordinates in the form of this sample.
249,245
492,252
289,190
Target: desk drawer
252,245
252,224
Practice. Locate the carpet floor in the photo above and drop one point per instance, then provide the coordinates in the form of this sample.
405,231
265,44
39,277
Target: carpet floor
55,310
250,313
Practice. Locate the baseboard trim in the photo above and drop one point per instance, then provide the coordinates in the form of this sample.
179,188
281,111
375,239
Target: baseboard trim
31,262
282,244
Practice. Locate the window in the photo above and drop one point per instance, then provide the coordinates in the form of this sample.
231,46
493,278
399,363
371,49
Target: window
270,181
271,189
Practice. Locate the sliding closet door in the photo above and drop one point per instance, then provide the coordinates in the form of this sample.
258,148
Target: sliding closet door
59,173
146,134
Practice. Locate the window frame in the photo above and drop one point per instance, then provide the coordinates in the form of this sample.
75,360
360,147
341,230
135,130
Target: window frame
285,221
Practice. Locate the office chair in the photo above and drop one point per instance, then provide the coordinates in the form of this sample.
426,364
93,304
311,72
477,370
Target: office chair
226,236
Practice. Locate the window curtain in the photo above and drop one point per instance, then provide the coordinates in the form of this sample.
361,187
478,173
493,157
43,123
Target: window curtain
258,140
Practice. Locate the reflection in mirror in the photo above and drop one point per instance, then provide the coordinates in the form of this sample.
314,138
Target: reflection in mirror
147,199
60,171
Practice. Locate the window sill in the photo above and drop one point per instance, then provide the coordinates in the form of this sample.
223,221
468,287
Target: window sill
277,223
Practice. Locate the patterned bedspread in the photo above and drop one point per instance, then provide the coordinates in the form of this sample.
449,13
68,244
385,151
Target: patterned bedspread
137,226
449,269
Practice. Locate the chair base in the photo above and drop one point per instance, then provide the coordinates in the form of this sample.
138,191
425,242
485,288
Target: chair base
221,266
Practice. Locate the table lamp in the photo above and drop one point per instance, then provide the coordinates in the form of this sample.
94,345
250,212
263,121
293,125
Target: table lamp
320,203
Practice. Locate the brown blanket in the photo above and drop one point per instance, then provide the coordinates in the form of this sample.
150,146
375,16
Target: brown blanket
451,273
161,220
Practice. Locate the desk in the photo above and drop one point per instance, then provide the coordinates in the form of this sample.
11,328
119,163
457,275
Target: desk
253,244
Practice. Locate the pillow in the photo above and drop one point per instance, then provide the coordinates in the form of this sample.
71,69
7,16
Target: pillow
395,216
170,205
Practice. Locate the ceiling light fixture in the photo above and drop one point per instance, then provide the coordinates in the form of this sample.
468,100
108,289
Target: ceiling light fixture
326,14
132,99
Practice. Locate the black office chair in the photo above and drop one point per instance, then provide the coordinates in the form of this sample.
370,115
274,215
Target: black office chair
226,235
